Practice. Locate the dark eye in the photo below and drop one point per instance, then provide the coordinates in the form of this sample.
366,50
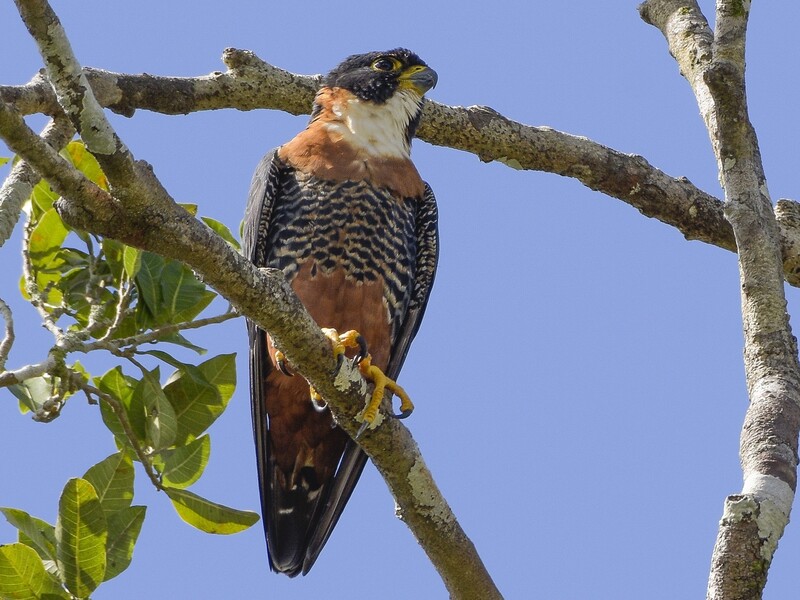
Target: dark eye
383,64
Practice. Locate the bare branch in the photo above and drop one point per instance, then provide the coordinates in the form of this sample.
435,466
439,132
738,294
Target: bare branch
17,187
250,83
72,89
754,520
116,346
8,335
8,378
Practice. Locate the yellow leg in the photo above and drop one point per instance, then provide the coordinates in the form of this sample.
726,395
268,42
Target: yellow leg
352,339
381,382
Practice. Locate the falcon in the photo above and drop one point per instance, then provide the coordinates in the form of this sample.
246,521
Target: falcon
343,212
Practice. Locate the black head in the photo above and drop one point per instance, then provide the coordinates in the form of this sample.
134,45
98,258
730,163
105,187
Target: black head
376,76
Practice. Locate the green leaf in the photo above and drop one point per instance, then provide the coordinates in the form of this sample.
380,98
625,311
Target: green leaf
23,577
113,253
197,402
221,230
201,302
132,261
86,163
33,392
38,534
159,415
184,296
81,536
123,531
148,281
184,465
166,357
220,371
112,479
42,198
4,160
189,207
177,338
48,235
121,387
209,516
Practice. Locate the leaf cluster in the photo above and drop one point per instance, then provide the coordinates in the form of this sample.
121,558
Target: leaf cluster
99,295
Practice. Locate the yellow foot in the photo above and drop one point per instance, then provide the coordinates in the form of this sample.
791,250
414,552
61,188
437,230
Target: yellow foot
353,339
341,342
372,373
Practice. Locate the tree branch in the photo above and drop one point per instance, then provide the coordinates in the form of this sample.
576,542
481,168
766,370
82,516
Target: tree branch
753,521
17,187
142,214
250,83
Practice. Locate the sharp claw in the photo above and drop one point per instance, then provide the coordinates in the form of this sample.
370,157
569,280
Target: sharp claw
362,350
283,369
403,414
339,363
280,361
361,430
317,401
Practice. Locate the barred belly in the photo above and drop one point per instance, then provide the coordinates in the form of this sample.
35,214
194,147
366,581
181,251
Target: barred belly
323,227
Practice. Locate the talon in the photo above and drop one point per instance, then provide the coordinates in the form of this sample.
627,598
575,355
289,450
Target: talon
361,430
382,382
341,342
317,401
339,363
280,361
337,346
369,416
363,352
404,414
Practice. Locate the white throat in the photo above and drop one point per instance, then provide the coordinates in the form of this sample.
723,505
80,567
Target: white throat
378,129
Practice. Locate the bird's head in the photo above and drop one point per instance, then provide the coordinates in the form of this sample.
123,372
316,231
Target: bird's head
378,76
378,96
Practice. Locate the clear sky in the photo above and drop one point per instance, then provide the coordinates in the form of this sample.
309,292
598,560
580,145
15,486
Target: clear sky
578,377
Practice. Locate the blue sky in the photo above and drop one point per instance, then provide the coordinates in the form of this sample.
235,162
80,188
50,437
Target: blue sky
578,377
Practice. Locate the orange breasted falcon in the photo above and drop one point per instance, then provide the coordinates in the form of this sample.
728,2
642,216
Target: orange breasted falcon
342,210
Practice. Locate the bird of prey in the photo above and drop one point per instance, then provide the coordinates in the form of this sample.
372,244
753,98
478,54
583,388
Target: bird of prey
343,212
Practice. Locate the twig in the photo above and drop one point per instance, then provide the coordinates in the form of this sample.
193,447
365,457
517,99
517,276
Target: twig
119,412
38,297
8,336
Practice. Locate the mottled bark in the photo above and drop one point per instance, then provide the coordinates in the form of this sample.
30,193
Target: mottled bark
753,520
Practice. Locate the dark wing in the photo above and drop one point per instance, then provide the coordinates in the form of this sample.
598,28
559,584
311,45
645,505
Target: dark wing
263,193
354,459
427,228
260,201
291,519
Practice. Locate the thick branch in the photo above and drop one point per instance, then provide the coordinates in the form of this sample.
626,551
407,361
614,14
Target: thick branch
754,520
72,89
250,83
17,187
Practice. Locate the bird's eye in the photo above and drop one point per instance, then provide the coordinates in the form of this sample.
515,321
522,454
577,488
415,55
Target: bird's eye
384,64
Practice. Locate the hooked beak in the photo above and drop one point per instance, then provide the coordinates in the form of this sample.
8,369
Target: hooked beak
419,78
